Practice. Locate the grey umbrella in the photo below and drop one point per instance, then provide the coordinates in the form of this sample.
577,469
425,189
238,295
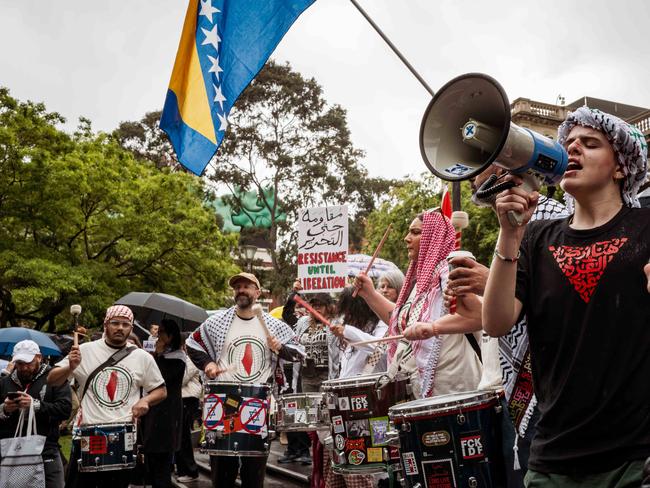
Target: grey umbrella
150,308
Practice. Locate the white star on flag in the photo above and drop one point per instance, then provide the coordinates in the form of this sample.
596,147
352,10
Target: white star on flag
218,96
215,68
207,9
211,37
223,121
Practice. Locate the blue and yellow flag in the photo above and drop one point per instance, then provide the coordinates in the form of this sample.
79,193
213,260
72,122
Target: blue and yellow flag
223,46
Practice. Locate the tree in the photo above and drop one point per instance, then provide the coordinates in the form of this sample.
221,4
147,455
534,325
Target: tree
82,221
409,198
284,136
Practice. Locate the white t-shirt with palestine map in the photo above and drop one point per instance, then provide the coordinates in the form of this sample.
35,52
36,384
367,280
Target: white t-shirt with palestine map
115,389
245,356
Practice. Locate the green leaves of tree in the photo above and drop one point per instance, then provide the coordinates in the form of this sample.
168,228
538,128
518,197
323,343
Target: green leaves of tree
82,221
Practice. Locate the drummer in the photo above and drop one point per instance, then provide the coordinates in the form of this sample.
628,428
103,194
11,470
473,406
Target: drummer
113,394
232,345
450,359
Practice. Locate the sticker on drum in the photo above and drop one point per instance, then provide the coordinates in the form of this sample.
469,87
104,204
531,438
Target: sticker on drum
344,403
375,454
472,445
356,457
436,438
253,415
439,472
359,403
378,430
337,424
291,407
339,442
213,408
410,464
331,401
128,441
85,443
300,416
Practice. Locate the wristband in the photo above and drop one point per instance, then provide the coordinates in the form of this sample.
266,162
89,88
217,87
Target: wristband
506,259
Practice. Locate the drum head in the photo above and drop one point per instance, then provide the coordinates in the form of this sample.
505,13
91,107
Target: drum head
442,403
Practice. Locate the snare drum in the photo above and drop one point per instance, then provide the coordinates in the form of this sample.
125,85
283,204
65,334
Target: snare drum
302,412
358,409
236,419
451,440
104,447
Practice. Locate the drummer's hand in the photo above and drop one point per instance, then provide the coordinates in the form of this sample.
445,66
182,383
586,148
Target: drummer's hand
211,370
274,344
140,408
337,330
364,284
468,277
646,268
74,358
419,331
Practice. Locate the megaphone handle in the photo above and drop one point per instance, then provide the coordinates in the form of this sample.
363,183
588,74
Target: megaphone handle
488,188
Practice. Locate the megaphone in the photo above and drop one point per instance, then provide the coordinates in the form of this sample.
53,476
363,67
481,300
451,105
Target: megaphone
467,127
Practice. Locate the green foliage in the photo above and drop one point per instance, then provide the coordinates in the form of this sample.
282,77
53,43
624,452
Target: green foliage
82,222
409,198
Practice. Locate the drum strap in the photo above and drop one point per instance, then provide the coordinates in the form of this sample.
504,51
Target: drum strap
111,361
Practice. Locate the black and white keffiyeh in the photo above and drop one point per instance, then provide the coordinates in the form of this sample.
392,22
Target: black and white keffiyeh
627,141
210,336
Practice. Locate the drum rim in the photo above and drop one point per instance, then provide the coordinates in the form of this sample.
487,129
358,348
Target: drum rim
237,383
403,411
222,452
360,380
300,395
107,424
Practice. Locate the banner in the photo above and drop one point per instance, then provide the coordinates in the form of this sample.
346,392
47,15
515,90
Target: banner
323,248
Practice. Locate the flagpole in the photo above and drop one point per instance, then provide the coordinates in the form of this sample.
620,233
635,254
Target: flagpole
392,46
455,186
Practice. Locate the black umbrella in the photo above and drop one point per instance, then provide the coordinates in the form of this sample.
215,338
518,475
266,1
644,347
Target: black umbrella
151,308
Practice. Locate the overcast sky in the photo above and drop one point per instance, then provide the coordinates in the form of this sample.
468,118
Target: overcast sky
111,60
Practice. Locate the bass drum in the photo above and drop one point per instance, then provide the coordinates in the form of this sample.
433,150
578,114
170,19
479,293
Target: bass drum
236,419
358,409
451,440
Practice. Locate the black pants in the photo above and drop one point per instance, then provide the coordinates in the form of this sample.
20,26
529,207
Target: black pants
53,467
185,464
159,469
298,443
224,471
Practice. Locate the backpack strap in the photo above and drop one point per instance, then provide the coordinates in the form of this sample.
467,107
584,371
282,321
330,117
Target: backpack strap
111,361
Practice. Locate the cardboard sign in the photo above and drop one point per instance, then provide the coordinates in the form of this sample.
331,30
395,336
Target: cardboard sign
323,248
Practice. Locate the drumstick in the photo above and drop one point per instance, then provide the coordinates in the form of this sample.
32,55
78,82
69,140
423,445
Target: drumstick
259,311
299,300
460,221
374,256
380,339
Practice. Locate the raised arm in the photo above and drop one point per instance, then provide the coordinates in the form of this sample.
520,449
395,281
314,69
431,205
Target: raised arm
375,300
500,306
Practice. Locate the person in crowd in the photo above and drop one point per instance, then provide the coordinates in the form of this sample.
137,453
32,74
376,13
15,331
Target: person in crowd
390,284
162,426
25,385
109,394
317,366
357,323
584,284
7,368
450,359
153,332
216,349
506,365
186,467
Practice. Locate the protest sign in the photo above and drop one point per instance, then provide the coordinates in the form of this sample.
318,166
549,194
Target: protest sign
323,248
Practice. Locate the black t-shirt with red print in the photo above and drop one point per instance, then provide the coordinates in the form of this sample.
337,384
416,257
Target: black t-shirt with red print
588,307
